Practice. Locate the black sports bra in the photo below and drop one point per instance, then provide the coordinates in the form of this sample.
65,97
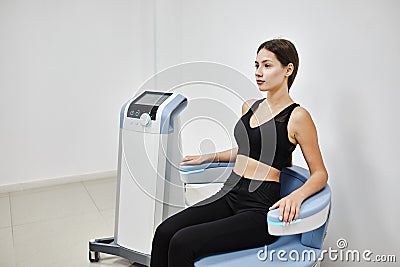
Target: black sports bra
268,142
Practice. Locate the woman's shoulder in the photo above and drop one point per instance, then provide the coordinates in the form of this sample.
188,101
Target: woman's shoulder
300,112
247,105
300,116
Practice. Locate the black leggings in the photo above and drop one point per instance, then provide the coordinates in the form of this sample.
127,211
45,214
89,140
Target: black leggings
232,219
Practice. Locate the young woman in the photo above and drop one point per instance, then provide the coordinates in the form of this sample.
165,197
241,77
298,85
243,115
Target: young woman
235,217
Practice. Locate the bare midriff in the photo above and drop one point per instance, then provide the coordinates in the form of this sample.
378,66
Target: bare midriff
254,169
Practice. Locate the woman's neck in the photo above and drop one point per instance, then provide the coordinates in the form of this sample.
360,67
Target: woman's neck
278,98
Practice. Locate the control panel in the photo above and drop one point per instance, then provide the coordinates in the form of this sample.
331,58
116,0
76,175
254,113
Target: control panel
147,103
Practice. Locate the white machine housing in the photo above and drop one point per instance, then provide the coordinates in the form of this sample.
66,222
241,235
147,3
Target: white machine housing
146,191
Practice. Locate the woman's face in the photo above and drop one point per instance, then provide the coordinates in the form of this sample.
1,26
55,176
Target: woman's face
270,74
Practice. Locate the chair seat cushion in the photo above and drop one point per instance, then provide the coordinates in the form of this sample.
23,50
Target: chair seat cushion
295,253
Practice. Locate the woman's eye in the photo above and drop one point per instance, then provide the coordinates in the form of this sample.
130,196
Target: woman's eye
267,65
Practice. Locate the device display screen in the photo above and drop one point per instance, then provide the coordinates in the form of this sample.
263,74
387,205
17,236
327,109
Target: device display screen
148,102
151,99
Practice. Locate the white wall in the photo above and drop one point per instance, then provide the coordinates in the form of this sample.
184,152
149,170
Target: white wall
347,79
66,69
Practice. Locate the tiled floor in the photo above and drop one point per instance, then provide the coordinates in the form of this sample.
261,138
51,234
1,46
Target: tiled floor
52,226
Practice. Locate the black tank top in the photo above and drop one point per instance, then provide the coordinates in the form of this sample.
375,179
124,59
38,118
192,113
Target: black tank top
268,142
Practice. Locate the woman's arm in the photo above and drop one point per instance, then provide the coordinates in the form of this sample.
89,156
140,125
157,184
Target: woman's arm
302,129
227,155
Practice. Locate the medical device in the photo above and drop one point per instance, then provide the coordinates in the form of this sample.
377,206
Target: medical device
149,188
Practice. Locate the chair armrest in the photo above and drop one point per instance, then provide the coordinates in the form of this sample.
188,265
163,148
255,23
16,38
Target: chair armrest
187,169
192,173
313,213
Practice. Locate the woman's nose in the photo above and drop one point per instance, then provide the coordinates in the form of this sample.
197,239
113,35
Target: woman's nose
258,72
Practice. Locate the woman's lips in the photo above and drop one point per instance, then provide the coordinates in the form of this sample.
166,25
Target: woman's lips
260,82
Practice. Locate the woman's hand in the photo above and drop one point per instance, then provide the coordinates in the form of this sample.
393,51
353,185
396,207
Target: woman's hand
198,159
289,207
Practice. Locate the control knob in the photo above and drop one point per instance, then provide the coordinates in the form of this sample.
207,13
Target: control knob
145,119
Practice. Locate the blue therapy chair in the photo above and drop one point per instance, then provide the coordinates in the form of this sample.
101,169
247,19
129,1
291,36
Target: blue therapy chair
299,244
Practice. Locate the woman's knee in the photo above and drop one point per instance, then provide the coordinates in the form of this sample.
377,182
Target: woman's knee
181,243
165,231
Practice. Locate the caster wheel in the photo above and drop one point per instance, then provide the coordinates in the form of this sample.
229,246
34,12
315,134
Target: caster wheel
94,256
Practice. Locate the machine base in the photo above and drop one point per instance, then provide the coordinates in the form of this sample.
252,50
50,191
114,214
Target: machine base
107,245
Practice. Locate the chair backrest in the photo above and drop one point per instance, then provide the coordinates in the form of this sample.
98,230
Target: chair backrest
292,178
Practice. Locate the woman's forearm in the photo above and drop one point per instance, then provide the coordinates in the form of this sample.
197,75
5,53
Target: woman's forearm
315,183
227,155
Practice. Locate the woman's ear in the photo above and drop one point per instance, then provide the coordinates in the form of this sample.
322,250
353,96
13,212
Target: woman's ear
289,69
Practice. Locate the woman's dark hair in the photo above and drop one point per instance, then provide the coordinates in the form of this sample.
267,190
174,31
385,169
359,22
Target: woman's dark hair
285,52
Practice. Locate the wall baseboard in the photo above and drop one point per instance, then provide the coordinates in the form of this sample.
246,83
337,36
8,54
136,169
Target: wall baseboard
57,181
